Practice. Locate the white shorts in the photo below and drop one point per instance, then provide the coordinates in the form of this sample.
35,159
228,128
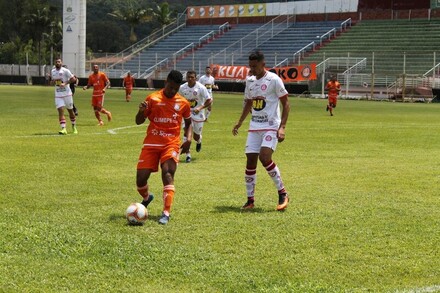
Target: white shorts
257,139
66,102
197,127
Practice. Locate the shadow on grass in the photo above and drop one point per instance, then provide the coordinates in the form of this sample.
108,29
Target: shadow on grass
228,209
119,217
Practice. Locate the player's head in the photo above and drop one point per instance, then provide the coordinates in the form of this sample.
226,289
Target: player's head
172,84
191,77
95,68
257,63
128,74
332,77
208,70
58,63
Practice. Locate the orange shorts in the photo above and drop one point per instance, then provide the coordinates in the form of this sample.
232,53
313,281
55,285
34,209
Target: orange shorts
128,90
98,101
332,100
151,157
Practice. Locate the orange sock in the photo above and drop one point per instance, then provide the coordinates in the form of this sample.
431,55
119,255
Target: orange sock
168,195
143,191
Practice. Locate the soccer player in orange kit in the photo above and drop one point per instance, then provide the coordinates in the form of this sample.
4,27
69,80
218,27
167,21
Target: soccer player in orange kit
165,109
333,87
100,82
128,83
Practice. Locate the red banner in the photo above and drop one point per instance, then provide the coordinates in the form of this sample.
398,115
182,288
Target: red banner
287,74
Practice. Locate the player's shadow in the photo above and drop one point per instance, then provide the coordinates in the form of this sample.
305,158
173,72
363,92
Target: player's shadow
118,217
228,209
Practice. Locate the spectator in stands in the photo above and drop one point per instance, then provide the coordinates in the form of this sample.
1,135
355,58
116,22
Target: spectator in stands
128,82
100,82
264,93
209,82
61,77
333,87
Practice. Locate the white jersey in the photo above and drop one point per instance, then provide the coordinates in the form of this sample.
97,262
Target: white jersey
265,93
208,82
62,75
196,95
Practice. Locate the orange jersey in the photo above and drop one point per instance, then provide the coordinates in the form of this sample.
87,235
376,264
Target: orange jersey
333,88
98,81
165,117
128,81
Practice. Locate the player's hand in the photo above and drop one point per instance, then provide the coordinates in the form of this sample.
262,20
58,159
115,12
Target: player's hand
143,105
281,134
185,146
235,129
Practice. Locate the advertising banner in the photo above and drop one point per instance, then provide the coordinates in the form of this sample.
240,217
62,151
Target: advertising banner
287,73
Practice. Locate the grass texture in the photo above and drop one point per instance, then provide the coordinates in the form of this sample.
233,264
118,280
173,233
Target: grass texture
364,214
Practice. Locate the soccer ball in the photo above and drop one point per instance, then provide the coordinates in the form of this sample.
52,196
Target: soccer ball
136,214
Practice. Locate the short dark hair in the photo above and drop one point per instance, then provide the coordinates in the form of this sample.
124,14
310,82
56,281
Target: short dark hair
191,72
175,76
256,55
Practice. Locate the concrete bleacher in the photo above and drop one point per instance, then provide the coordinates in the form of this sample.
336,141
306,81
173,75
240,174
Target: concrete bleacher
166,48
399,46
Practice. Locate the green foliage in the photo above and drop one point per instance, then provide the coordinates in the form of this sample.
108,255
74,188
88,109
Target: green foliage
363,215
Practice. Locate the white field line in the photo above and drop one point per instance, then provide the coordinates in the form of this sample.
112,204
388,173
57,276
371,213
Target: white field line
429,289
110,131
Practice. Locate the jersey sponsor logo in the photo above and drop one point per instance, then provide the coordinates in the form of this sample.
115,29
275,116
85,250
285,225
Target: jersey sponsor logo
260,118
161,133
258,103
193,103
164,120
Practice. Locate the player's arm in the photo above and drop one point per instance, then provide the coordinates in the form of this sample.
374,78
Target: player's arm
140,115
187,135
73,79
246,110
285,106
107,85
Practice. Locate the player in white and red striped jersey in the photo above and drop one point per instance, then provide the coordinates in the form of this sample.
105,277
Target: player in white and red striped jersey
209,82
61,77
199,98
264,93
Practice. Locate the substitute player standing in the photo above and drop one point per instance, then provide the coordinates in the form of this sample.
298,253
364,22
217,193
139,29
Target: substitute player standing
199,98
333,87
100,82
264,93
209,82
61,77
165,109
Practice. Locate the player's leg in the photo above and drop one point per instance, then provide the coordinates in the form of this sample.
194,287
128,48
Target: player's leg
62,120
197,128
104,111
148,162
188,150
169,160
253,145
72,116
267,149
208,111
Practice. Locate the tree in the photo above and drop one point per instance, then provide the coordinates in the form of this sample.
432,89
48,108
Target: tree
133,14
39,23
163,14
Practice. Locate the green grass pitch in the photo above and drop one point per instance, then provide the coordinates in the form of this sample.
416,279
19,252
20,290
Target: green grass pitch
364,212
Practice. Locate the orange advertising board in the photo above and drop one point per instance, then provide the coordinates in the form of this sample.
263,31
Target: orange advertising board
287,73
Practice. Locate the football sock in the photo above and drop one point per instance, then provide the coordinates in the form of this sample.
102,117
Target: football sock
143,191
63,123
168,195
250,179
73,120
274,173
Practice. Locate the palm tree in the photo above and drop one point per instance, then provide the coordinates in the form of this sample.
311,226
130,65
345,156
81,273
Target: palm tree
163,14
39,23
134,15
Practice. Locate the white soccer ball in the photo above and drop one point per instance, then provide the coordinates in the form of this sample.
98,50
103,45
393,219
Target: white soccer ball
136,214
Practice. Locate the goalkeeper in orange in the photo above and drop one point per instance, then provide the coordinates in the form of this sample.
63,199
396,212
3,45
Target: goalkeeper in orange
333,87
